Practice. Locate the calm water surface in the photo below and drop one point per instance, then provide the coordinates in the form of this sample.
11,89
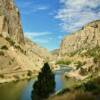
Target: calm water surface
22,90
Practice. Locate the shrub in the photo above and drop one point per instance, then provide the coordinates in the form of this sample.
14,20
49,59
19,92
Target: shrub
79,64
29,73
4,47
12,43
93,52
1,53
1,75
63,62
75,95
17,77
19,48
0,35
9,62
83,96
90,86
83,71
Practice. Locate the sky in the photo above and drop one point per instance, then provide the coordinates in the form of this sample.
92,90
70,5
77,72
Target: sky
46,22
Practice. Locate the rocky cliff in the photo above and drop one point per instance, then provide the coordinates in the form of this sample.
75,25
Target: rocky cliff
10,24
86,38
20,58
81,50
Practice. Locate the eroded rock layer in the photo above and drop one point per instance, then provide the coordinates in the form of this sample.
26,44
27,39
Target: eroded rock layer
10,21
86,38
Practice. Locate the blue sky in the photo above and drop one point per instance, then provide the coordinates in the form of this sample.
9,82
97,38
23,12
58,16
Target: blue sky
47,21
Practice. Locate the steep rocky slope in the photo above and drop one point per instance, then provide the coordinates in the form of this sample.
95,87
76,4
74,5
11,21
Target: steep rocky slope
86,38
81,50
19,57
10,24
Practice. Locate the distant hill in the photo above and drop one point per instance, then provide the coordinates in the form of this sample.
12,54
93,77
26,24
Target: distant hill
55,52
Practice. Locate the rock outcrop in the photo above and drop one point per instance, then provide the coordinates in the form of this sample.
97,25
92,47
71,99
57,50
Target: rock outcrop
20,58
82,50
10,21
86,38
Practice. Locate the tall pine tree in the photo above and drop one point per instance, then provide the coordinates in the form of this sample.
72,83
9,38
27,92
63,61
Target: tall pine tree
45,85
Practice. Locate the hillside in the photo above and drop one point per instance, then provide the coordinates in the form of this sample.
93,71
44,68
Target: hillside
19,57
10,24
86,38
81,50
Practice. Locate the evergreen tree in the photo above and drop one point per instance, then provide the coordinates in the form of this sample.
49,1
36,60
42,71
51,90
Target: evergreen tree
45,85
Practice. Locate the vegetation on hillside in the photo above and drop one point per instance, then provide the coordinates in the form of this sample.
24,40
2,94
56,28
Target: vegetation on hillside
79,64
94,52
67,62
11,42
4,47
1,53
87,90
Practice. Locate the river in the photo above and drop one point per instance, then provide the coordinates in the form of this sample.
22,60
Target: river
21,90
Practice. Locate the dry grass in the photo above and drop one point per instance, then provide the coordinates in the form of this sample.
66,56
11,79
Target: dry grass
75,95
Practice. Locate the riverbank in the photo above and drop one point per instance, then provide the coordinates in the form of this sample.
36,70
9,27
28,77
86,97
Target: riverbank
22,89
17,76
2,81
87,88
22,75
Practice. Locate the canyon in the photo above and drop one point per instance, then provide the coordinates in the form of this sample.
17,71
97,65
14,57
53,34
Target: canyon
20,58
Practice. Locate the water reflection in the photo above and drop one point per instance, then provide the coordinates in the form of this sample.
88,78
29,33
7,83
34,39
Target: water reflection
10,91
22,90
26,93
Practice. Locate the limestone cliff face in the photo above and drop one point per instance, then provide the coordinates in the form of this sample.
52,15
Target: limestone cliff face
86,38
10,24
20,58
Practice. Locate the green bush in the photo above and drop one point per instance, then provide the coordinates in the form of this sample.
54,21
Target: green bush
93,52
1,75
90,86
9,62
63,62
76,52
0,35
79,64
83,71
4,47
29,73
12,43
17,77
19,48
1,53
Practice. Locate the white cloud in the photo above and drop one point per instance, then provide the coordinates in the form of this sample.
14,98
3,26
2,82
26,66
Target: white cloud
37,34
75,13
42,8
40,40
36,8
31,7
39,37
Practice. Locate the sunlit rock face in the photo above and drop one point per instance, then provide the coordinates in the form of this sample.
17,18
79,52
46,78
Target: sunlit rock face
20,58
86,38
10,21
